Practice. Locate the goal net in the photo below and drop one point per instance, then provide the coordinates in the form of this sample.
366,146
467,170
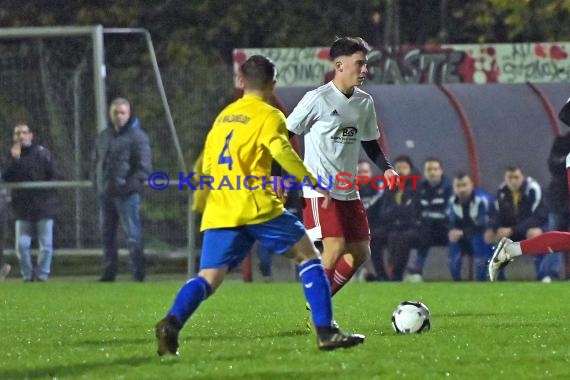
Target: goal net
48,83
54,79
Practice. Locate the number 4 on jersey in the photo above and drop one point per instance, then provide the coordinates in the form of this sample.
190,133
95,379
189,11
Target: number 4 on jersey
225,157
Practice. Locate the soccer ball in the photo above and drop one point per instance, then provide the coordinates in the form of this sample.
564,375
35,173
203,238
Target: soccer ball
411,317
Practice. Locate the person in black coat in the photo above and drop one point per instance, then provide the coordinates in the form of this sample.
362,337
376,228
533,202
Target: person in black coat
398,220
123,163
521,213
432,198
557,200
371,198
34,209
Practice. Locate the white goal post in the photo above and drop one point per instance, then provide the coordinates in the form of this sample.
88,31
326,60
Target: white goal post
95,63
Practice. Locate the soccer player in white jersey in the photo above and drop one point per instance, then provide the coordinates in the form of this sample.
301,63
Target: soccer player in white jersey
336,119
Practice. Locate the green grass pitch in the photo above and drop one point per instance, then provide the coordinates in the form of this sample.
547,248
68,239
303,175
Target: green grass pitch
80,329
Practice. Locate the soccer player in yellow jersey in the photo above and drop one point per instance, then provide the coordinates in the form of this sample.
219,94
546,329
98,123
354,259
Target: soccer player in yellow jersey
245,138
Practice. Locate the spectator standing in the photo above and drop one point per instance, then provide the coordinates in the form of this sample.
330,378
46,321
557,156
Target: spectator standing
34,209
123,162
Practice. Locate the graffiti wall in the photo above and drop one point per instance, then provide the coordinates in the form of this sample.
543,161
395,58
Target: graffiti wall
546,62
296,66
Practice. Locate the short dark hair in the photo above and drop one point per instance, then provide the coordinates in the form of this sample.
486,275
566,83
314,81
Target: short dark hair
461,175
404,158
513,168
433,159
348,46
257,72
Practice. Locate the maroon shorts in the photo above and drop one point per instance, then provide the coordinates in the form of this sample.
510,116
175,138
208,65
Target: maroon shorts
346,219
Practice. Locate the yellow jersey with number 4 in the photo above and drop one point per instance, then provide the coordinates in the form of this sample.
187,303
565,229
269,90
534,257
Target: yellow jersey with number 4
246,136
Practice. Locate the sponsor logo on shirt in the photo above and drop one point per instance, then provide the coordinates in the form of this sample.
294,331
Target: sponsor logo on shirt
349,131
346,135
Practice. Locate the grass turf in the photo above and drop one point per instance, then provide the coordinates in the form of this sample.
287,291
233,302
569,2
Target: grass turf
77,329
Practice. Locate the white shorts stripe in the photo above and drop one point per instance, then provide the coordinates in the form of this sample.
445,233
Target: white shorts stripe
338,278
315,207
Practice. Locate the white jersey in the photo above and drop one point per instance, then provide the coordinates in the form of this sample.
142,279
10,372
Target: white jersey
334,126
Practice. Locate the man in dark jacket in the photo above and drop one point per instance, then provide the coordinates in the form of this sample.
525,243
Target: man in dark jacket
371,198
557,197
432,198
123,162
34,209
520,214
398,220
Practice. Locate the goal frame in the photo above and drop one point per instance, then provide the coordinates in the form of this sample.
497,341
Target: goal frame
96,34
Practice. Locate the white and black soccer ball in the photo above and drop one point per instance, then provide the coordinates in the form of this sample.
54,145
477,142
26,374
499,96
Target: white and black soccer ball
411,317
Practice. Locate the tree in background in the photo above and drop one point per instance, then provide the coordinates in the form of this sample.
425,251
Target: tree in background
195,39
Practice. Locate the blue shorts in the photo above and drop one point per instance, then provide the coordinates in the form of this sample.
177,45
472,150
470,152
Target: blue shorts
229,246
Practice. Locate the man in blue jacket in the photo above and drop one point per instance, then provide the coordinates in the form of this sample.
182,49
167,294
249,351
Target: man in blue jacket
470,212
123,162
